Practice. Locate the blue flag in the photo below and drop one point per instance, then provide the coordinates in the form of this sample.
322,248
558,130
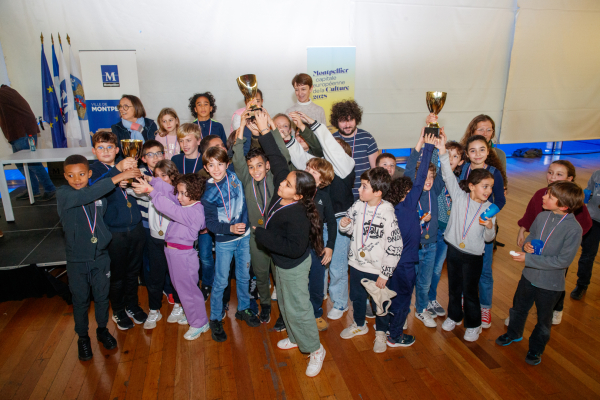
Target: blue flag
52,113
55,68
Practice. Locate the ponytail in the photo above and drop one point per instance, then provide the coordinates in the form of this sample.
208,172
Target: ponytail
306,187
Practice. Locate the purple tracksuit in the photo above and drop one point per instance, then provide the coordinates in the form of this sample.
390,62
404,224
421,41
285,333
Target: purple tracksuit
186,222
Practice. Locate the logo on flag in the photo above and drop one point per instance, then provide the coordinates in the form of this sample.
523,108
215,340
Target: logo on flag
110,76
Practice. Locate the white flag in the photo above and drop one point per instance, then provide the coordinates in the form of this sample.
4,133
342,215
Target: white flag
72,128
79,98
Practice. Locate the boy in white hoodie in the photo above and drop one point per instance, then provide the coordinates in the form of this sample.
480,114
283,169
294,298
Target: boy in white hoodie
375,247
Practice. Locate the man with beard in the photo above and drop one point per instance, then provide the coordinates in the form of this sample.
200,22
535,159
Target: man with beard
346,116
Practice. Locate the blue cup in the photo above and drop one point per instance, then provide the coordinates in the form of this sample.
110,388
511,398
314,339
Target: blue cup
587,194
537,246
490,212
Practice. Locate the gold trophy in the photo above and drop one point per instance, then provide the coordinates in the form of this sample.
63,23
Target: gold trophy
132,148
248,87
435,102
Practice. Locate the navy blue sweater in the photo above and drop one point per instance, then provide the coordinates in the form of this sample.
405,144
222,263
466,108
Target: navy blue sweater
118,217
406,212
212,127
189,163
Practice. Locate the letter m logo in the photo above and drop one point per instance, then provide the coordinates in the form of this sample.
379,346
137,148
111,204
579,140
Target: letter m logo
110,75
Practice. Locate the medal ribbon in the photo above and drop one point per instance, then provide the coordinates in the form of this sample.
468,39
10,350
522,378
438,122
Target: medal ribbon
122,191
446,197
95,218
542,234
228,212
465,233
209,128
279,209
195,164
262,211
362,236
421,208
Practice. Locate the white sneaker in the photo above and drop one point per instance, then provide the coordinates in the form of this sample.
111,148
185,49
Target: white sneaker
354,330
449,325
325,297
176,314
507,321
194,333
153,317
274,294
426,319
556,317
183,319
286,344
316,362
336,313
472,334
380,342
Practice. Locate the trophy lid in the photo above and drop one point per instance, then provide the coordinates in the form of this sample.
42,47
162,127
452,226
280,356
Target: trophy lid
435,101
247,85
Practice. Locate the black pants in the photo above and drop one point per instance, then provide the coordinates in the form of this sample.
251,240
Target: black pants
589,249
359,296
544,300
316,283
403,283
464,271
82,275
126,253
159,269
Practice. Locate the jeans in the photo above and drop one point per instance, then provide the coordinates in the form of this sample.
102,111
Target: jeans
402,282
424,271
589,249
315,279
464,271
205,252
338,271
225,251
359,296
438,265
38,173
525,297
486,282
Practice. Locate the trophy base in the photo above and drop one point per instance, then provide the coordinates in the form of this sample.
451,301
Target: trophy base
252,111
432,131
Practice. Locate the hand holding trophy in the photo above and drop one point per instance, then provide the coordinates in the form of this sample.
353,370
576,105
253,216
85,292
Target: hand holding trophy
248,86
132,148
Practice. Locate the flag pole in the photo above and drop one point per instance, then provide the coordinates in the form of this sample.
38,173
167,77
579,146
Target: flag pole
42,37
68,39
52,37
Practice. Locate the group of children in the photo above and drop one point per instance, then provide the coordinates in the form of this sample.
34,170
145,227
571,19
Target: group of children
273,203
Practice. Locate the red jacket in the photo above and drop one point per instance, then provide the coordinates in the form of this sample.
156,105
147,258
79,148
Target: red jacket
534,207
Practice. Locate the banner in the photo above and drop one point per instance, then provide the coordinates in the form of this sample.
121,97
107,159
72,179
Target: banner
71,120
79,97
107,75
332,71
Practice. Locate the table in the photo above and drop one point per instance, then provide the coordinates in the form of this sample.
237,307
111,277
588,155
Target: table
26,157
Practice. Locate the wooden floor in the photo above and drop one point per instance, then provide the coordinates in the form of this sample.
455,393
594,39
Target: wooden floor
38,347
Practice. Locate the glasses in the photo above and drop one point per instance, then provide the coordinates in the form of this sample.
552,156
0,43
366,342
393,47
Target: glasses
482,130
105,149
157,154
123,107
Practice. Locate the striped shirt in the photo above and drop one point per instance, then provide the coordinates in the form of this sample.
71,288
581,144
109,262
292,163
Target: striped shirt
362,148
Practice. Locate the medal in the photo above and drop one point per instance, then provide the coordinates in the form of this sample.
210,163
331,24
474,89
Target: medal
448,212
465,229
94,239
160,233
362,254
128,204
260,221
462,245
448,202
279,209
362,235
262,211
227,212
427,236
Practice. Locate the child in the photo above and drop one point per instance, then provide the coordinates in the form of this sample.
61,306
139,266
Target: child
480,156
427,208
124,220
404,196
227,218
203,107
168,124
236,118
589,246
190,160
466,242
543,277
292,225
388,162
182,205
338,153
375,248
559,170
81,210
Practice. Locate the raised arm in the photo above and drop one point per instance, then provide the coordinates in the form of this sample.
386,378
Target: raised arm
185,216
447,174
74,198
415,193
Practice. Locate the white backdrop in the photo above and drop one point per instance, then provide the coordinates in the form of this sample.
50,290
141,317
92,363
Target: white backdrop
404,48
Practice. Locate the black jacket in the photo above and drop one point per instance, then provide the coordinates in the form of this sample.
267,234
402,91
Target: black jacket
69,202
149,133
325,209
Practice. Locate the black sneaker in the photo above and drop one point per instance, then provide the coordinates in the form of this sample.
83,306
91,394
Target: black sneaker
404,340
136,312
279,325
122,320
25,196
265,314
533,358
505,340
84,348
248,316
578,292
206,292
107,340
217,331
47,196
